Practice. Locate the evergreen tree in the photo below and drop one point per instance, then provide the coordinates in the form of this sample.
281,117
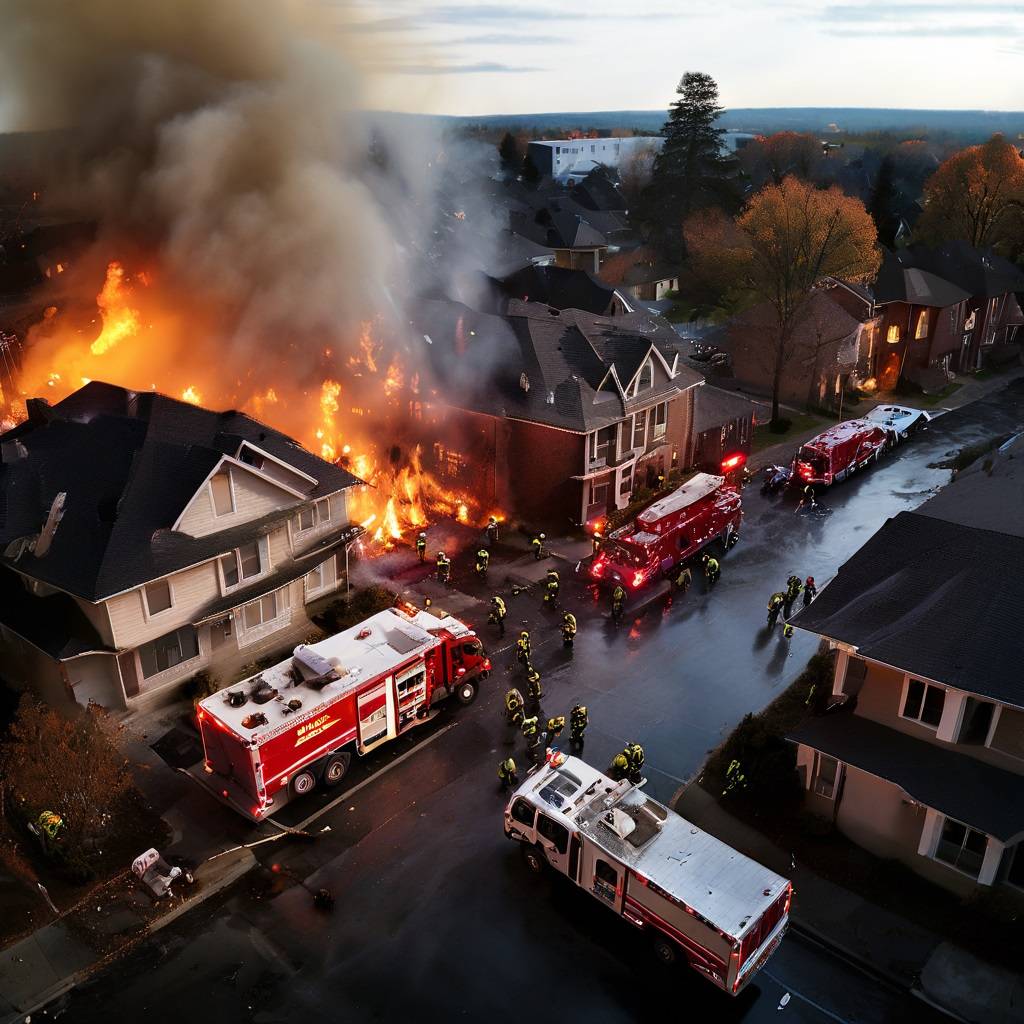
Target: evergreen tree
690,172
531,174
508,150
882,204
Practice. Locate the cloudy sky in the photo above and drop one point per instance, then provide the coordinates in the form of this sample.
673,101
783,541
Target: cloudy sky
550,55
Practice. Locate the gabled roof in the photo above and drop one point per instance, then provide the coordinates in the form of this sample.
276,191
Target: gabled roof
561,288
981,273
556,230
899,280
932,598
714,407
128,463
596,192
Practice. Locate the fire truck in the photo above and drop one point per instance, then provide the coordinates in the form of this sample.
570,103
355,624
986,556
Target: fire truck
671,531
702,902
838,452
297,725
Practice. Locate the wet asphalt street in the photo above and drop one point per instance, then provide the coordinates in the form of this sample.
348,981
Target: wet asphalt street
436,916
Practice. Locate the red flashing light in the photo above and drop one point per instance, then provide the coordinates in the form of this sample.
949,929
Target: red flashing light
597,569
200,714
638,578
789,899
487,664
733,462
276,868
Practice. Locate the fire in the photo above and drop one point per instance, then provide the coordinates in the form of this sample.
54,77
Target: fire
192,395
329,392
120,321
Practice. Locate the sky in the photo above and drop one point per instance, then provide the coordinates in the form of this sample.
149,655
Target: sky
563,55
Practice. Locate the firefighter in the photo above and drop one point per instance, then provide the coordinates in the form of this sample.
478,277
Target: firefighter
514,705
810,591
595,542
635,756
421,546
551,588
529,728
555,727
50,822
538,546
793,588
788,631
523,648
682,578
497,614
492,530
507,773
712,570
577,724
620,767
323,900
775,603
444,567
533,687
618,603
661,481
808,501
734,777
483,558
568,629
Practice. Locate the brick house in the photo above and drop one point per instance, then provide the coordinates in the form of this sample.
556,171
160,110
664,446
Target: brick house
145,539
924,762
558,415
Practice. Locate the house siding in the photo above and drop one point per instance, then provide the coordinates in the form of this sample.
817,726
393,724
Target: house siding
254,498
541,462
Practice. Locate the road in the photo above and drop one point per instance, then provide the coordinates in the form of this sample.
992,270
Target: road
436,916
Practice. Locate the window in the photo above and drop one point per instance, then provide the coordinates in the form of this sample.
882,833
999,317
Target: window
313,515
924,703
977,721
961,847
249,560
169,650
659,420
158,596
1015,872
606,873
243,563
954,316
602,444
260,612
223,498
599,492
826,776
1008,737
893,334
922,325
627,483
553,832
639,429
306,518
251,457
323,510
645,381
315,579
523,812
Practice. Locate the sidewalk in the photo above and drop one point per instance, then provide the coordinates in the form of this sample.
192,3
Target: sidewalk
880,942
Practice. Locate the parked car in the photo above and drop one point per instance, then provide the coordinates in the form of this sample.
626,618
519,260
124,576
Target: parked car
898,421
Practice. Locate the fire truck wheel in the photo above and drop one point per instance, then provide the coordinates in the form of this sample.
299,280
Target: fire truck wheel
303,782
535,860
466,692
665,951
335,769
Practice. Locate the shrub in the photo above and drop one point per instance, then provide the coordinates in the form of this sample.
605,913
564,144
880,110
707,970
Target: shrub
780,426
360,604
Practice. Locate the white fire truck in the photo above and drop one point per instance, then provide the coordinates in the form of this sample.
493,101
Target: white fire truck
701,900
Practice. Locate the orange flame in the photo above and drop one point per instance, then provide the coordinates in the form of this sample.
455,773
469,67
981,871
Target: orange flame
120,321
192,395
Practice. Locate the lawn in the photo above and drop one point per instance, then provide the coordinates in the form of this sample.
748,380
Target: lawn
933,400
800,423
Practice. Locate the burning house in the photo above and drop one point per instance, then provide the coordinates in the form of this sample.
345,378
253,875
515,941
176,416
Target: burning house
558,415
145,539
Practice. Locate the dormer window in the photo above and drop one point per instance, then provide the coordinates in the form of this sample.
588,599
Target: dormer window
922,325
893,334
645,378
222,494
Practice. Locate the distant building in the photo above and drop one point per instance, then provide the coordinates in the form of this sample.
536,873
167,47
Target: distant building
566,159
723,424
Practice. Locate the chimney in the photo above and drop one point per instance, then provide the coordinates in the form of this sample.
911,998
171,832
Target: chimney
52,522
39,410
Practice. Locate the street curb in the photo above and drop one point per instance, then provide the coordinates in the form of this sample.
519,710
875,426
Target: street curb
880,974
243,865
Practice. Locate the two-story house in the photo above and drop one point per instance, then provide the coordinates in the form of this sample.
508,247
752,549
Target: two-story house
558,415
144,539
924,762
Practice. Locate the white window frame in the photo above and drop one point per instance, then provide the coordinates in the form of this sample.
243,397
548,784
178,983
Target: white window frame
907,680
150,615
263,544
815,776
319,521
249,635
937,838
643,437
326,584
992,733
226,470
657,433
182,668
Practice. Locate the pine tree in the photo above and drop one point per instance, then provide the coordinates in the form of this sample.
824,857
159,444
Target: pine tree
531,174
881,205
690,172
508,151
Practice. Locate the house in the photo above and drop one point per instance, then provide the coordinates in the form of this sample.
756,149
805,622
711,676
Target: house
558,415
825,346
564,289
723,424
145,539
924,763
576,244
566,159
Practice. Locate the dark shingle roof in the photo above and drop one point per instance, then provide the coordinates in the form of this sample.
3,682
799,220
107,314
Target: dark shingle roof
982,274
128,462
714,407
899,280
933,598
560,287
974,793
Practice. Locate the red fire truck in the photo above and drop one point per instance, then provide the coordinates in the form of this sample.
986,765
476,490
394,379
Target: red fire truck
702,902
297,724
838,452
671,531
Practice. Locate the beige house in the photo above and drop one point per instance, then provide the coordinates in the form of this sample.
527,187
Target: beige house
146,539
924,762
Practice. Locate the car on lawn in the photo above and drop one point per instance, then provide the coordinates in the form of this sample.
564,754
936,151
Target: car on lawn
898,421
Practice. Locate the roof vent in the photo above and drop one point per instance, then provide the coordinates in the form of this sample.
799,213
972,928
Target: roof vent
263,692
236,698
552,311
256,719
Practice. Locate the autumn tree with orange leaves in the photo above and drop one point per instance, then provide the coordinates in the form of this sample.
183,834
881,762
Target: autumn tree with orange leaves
771,158
977,196
789,239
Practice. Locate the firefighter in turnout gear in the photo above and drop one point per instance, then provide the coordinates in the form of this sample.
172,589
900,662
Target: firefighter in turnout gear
529,728
538,546
810,591
712,570
775,603
682,578
483,558
734,777
492,530
497,614
787,631
577,724
551,588
507,773
793,588
555,727
444,568
514,705
523,649
533,688
629,763
568,629
618,603
421,546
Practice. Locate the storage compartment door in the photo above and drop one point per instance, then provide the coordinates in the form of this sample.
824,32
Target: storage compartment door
375,710
411,688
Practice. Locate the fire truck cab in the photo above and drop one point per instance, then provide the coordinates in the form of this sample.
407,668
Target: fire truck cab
297,724
701,901
838,452
671,531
